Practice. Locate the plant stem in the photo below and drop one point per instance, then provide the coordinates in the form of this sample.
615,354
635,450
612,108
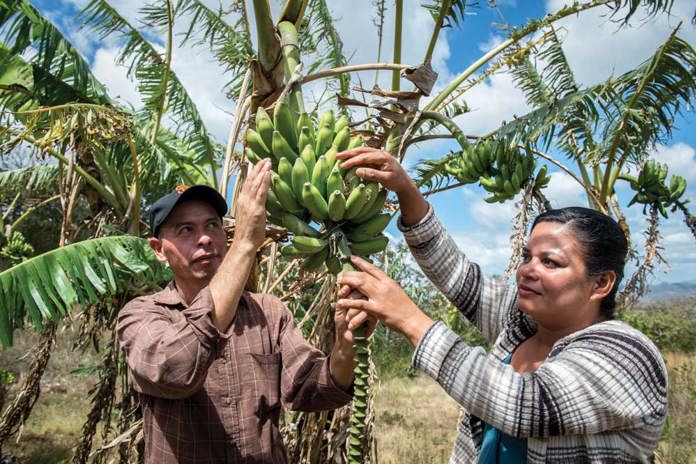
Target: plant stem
268,45
444,8
165,78
239,113
31,210
398,26
353,68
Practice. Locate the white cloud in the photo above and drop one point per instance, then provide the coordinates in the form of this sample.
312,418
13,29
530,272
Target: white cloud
564,191
598,48
491,103
114,76
680,160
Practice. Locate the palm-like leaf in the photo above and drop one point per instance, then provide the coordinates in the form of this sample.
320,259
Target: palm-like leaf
148,67
320,39
454,15
643,103
48,286
35,180
27,33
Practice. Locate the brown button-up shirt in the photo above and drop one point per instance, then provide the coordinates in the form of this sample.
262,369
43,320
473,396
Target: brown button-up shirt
211,397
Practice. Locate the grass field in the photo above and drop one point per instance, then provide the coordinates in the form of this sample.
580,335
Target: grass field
415,420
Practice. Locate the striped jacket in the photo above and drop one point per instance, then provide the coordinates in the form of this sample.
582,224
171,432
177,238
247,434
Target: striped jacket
600,396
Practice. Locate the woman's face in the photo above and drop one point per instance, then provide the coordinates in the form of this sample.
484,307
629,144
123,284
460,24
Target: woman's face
553,285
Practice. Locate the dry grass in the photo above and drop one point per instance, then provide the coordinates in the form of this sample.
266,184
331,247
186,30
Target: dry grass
678,445
415,421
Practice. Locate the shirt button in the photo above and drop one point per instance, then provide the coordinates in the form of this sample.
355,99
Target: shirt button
228,401
223,360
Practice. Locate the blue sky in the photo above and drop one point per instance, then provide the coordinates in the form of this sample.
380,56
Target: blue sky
596,49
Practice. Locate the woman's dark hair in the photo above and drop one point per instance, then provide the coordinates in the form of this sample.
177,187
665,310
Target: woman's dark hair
604,245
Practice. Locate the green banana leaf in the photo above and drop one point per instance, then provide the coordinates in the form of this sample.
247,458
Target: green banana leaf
48,286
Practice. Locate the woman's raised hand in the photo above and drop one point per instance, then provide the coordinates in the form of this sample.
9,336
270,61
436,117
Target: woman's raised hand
384,300
379,166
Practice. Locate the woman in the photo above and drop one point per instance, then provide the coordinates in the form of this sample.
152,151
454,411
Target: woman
563,382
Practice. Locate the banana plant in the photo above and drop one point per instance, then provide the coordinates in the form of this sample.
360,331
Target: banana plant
54,103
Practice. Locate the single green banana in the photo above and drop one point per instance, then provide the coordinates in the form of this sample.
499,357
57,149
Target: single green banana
283,193
368,247
330,156
327,120
373,226
371,191
319,175
297,226
334,181
304,121
284,122
488,184
285,170
290,250
305,139
255,142
314,201
341,140
307,244
341,122
264,126
355,202
324,140
374,208
509,189
337,206
309,158
251,156
299,176
355,142
281,148
273,206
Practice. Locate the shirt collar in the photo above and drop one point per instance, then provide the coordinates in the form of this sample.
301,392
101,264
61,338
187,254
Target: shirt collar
169,296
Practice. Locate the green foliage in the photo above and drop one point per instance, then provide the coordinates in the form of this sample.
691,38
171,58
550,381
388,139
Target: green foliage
82,274
670,330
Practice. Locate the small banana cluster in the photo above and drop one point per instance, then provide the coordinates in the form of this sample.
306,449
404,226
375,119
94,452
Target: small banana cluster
501,171
309,187
651,188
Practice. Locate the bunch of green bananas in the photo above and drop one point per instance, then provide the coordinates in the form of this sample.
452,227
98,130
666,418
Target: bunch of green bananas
501,170
651,188
330,212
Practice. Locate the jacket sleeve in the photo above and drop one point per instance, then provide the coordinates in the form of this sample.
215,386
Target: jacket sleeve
168,351
486,302
306,383
609,377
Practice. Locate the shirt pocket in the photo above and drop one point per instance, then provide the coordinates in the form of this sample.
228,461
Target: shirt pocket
266,379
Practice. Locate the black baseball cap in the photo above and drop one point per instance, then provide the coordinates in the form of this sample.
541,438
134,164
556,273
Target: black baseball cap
162,208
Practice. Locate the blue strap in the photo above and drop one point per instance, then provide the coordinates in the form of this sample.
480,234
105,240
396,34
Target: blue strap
499,447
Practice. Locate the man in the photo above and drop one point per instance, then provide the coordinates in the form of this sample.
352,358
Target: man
211,362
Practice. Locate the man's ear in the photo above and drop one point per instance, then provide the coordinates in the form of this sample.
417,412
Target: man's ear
603,285
156,245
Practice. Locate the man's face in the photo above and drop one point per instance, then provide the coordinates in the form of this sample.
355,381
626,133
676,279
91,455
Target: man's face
193,243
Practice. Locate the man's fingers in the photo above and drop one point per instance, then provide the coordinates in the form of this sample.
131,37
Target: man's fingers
344,291
346,304
358,320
